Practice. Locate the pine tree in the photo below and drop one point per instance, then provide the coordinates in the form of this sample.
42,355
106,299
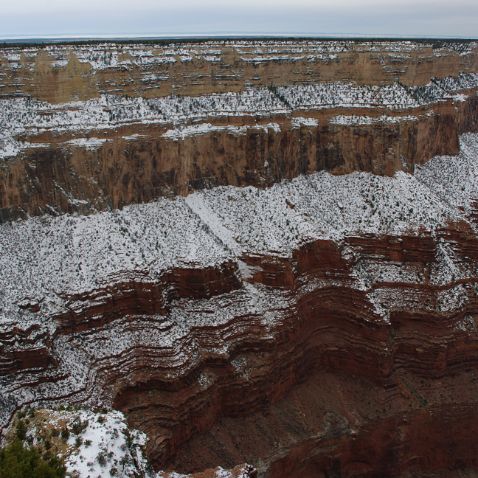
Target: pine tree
17,461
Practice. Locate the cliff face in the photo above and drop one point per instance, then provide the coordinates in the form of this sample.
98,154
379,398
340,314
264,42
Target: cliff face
320,326
63,73
96,127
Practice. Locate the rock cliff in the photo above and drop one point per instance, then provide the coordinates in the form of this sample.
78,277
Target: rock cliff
95,127
260,252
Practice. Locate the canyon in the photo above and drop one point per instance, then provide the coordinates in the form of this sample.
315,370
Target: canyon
263,253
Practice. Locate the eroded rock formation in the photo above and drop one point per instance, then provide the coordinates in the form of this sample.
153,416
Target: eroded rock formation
320,326
94,127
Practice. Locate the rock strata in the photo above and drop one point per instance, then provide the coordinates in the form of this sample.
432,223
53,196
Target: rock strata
292,286
97,127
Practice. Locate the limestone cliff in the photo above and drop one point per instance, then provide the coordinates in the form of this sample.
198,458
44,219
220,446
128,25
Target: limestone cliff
94,127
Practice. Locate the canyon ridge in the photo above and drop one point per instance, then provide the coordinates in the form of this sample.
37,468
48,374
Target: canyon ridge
241,258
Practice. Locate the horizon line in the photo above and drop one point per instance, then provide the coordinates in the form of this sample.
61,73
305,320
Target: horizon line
45,38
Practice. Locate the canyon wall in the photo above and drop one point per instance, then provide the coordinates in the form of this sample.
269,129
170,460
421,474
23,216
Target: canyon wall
261,252
97,127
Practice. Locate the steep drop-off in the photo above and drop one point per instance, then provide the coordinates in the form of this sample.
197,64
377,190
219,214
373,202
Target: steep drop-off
87,128
280,271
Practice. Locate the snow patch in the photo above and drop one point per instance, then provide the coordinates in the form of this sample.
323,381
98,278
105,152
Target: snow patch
299,121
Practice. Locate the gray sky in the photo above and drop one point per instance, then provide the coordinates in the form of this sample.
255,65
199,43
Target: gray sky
163,17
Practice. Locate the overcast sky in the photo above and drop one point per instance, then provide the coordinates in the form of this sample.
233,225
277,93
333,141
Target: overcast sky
169,17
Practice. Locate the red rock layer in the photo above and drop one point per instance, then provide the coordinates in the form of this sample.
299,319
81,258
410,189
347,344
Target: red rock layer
325,387
390,382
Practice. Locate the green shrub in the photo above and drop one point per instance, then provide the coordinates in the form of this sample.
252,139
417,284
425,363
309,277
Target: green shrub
21,430
79,426
16,461
65,434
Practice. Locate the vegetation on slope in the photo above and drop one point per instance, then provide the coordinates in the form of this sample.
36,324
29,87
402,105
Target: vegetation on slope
17,461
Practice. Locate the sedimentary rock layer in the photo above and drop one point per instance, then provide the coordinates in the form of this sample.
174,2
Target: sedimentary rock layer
323,325
261,252
61,73
97,127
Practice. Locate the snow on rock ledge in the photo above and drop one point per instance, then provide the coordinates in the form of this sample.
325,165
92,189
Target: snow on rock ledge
99,444
49,257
